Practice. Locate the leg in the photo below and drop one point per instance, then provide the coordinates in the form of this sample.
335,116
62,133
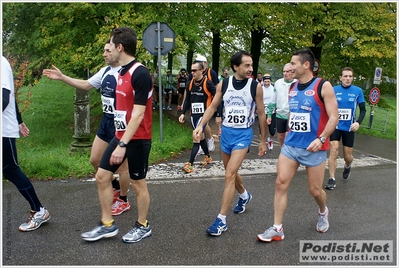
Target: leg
315,181
348,157
286,169
332,159
208,132
105,193
232,180
97,150
124,178
143,199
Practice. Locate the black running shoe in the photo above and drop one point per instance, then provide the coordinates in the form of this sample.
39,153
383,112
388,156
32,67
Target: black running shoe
346,173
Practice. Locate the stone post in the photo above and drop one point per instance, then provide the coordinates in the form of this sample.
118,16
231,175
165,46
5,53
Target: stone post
82,142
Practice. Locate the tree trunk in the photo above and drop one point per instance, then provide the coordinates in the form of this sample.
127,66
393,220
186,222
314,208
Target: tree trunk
256,44
216,50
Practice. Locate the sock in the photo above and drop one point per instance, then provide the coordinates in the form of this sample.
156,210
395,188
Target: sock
108,224
332,178
194,152
244,195
204,146
347,167
124,198
278,227
115,184
222,217
143,224
324,213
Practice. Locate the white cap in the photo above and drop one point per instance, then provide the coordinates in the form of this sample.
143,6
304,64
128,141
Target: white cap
201,58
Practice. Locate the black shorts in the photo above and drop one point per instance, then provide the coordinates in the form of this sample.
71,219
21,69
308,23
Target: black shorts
137,154
106,132
348,138
181,90
281,125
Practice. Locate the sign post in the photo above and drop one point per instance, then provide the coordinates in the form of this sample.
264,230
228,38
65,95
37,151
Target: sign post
374,97
159,39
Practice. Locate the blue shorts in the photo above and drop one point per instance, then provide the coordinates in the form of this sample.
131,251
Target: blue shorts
106,132
303,157
235,139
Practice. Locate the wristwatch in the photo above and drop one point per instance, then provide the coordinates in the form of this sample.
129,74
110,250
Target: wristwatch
122,144
322,139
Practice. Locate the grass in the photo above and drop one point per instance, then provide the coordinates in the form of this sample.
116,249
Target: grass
384,123
48,111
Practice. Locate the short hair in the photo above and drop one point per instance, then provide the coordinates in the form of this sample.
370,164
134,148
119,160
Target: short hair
225,69
200,64
127,38
236,59
346,69
304,55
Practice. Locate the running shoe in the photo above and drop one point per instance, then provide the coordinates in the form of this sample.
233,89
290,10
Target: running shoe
169,108
116,195
346,173
179,108
270,143
206,160
188,168
119,207
35,220
100,231
217,228
322,223
271,234
211,144
330,184
137,233
240,208
164,107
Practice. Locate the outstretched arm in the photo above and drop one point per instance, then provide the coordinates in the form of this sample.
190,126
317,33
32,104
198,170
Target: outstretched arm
56,74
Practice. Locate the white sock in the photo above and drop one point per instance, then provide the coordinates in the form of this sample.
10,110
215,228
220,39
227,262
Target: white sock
222,217
278,227
324,213
244,195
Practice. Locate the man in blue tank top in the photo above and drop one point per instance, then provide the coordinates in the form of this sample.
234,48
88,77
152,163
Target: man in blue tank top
348,97
313,117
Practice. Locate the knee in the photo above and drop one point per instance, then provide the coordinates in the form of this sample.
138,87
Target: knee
316,192
103,177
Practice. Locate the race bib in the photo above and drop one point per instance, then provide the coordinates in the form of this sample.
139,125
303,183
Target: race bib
108,105
299,122
120,120
197,108
237,115
182,84
345,114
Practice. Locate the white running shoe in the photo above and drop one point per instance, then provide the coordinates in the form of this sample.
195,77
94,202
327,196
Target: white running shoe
211,144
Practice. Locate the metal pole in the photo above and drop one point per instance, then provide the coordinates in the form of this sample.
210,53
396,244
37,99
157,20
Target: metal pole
160,80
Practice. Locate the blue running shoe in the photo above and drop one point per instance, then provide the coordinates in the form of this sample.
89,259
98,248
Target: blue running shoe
100,231
217,228
240,208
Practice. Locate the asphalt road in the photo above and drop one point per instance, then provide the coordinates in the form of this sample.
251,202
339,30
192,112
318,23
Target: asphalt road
182,207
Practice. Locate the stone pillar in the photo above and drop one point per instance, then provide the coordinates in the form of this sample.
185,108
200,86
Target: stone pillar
82,142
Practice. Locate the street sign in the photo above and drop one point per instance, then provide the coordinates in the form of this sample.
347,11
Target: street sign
166,38
377,75
374,95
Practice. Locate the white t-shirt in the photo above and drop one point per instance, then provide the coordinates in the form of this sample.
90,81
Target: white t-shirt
10,128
